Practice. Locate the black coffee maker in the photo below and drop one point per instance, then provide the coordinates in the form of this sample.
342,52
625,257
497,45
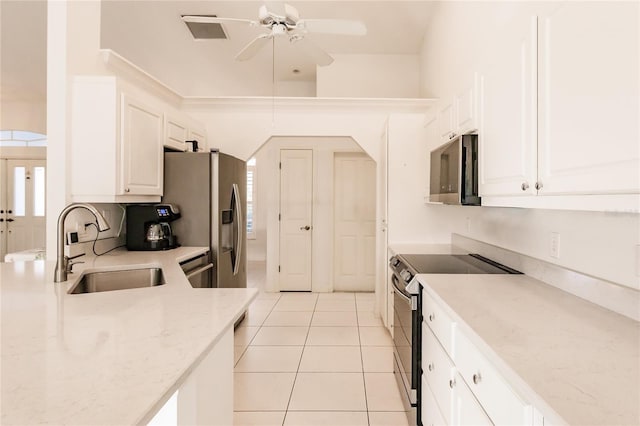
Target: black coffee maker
148,227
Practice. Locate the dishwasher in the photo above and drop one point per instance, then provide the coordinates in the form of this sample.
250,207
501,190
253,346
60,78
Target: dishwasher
198,271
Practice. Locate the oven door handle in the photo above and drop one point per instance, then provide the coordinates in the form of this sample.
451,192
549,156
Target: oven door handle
397,290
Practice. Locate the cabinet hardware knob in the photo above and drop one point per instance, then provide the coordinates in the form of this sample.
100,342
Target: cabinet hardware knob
127,190
476,378
1,219
305,228
430,367
538,185
524,186
452,383
9,211
431,317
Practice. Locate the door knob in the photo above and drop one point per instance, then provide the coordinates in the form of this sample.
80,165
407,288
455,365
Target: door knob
305,228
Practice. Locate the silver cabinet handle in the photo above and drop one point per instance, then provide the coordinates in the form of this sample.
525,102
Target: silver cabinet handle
538,185
305,228
524,186
452,383
476,378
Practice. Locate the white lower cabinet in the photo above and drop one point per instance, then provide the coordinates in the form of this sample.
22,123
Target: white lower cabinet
431,415
468,410
460,386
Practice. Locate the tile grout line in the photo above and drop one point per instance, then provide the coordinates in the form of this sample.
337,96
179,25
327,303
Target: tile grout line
364,380
286,411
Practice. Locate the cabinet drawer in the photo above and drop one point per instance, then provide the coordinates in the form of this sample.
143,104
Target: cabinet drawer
438,371
498,399
431,415
439,322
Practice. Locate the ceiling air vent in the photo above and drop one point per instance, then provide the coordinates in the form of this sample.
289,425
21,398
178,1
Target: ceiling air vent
206,31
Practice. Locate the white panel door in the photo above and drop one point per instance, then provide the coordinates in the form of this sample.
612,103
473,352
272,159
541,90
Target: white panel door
507,131
296,206
589,91
354,222
3,209
25,213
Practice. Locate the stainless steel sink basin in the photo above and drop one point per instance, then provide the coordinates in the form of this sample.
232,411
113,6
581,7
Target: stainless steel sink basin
93,282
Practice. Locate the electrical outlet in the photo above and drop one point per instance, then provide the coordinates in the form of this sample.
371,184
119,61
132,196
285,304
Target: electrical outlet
554,246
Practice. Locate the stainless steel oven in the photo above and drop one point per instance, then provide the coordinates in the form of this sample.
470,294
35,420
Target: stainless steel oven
407,319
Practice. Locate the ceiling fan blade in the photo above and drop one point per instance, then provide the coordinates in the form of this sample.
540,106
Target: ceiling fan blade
318,55
215,20
333,26
276,8
253,47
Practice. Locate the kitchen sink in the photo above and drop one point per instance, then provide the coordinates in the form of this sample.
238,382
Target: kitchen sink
93,282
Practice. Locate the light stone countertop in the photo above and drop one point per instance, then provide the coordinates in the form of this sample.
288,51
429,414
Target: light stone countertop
567,356
104,358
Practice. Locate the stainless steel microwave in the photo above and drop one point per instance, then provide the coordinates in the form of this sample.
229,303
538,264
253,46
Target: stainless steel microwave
454,172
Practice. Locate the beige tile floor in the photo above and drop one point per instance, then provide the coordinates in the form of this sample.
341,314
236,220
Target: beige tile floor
313,359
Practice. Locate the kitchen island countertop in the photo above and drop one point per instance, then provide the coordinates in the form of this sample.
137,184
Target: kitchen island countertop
113,357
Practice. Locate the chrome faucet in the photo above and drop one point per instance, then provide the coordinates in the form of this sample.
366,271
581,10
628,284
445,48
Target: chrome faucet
62,260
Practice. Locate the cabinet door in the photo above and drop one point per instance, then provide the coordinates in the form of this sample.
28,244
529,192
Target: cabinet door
446,122
176,133
468,409
507,133
466,108
431,415
198,135
438,373
589,95
141,148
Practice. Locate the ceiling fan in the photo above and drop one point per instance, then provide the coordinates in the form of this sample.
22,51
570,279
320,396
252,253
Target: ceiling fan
283,20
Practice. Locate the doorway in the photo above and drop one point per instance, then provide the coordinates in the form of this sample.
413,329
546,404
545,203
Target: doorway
354,222
22,205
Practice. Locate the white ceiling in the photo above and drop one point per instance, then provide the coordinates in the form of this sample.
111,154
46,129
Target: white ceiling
150,34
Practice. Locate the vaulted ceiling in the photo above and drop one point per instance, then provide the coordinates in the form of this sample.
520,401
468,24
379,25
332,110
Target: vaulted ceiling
151,34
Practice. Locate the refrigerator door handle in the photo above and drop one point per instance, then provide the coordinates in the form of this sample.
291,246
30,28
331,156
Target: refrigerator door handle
238,223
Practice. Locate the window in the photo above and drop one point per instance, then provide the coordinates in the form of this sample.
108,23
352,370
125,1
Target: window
251,198
19,138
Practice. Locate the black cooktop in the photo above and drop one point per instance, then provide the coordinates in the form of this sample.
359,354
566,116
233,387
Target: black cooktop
454,264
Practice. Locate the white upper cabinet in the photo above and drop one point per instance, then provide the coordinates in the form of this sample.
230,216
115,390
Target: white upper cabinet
176,133
507,130
458,114
589,93
196,134
141,153
559,110
116,142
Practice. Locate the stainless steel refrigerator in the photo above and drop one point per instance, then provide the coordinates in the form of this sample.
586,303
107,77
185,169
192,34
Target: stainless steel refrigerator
210,189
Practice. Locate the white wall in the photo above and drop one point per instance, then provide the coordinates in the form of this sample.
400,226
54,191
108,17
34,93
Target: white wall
24,115
268,178
370,76
600,244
